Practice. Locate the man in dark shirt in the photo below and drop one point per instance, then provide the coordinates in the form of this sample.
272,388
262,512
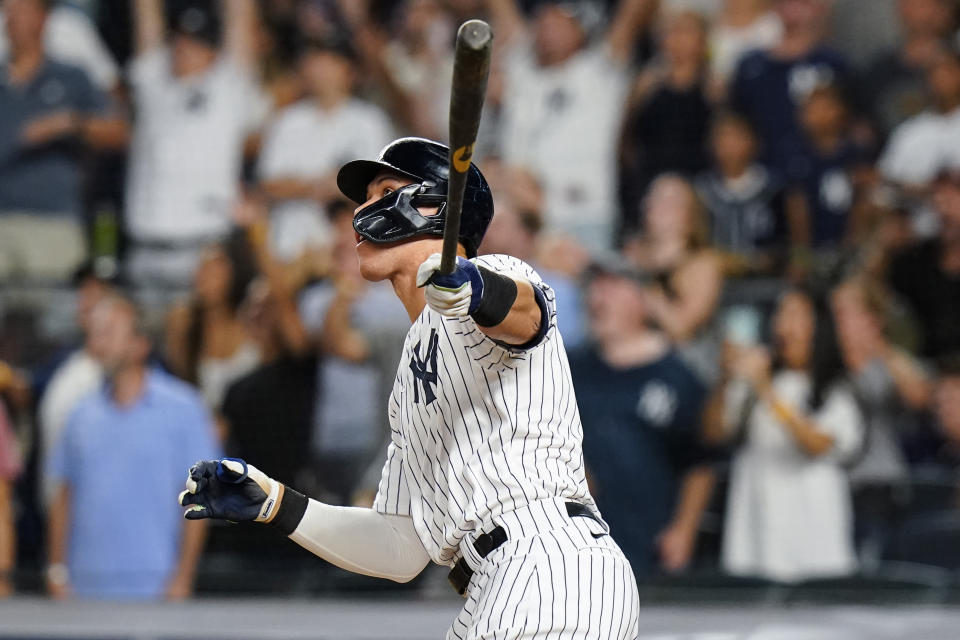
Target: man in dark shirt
48,109
927,275
769,85
640,405
268,412
894,85
826,168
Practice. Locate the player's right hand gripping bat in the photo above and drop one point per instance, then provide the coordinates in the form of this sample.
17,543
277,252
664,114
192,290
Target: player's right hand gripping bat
471,66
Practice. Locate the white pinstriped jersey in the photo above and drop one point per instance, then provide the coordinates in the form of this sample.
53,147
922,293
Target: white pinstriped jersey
479,429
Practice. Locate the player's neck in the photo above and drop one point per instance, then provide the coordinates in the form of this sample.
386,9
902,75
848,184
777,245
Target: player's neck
405,286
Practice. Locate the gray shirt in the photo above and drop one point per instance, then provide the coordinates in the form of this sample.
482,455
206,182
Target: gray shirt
882,460
45,178
351,410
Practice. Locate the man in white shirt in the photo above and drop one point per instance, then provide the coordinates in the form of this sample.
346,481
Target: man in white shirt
76,377
308,142
563,105
920,147
196,100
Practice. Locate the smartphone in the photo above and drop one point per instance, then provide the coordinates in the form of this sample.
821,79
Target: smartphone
741,325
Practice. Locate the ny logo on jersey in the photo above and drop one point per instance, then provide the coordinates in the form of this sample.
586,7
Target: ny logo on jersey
425,369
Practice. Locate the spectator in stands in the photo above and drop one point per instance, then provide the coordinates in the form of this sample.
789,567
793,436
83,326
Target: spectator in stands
418,61
563,104
788,512
515,231
673,247
196,101
208,344
268,411
947,410
360,328
9,470
927,275
50,110
827,171
742,26
668,115
769,86
889,384
640,405
894,85
78,375
275,38
747,204
920,146
309,141
70,37
122,539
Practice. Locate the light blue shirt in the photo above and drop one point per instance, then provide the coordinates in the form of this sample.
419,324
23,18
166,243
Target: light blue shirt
124,467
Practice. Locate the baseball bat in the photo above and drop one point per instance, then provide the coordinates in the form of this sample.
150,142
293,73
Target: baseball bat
471,66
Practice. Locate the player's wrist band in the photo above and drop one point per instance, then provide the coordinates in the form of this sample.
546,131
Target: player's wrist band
499,294
290,512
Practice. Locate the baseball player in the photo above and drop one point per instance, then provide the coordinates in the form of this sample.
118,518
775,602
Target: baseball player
484,472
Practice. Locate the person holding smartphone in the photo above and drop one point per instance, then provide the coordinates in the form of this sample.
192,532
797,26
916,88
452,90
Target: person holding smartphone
796,423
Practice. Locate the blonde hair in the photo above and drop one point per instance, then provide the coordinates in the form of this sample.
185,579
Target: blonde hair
698,234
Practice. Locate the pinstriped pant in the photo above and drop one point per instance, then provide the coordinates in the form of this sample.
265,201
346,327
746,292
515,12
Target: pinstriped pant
561,583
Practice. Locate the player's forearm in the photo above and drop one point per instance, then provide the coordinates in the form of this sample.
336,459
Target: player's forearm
522,322
362,541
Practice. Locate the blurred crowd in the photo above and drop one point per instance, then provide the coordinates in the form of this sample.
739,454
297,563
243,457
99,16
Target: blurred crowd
749,210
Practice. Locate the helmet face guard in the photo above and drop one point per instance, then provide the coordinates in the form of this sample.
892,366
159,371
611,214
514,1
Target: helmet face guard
424,165
395,217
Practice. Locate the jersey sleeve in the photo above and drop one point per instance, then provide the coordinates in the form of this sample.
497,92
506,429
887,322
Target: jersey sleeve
393,496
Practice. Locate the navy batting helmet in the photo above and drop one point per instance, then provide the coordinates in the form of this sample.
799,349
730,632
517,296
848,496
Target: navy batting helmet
395,216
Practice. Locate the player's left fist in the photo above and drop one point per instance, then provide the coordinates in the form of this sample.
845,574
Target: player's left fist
455,294
230,489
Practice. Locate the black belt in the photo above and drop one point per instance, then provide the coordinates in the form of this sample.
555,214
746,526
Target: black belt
485,543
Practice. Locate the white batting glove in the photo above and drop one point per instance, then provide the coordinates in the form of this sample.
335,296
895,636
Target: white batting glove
453,295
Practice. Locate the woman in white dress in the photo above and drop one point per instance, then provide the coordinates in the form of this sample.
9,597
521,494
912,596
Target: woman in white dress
789,515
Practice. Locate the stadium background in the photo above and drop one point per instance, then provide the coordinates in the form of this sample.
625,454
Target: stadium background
697,160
